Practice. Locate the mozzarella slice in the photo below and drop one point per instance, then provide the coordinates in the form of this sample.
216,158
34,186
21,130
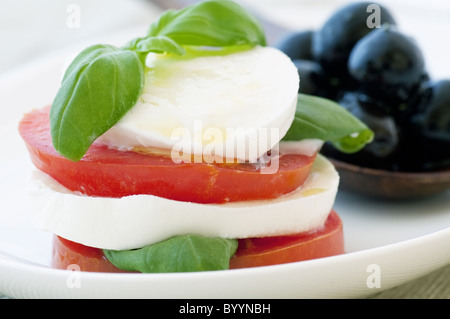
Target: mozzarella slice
237,105
135,221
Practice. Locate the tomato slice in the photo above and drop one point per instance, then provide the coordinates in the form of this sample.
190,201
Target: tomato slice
108,172
67,253
252,252
327,241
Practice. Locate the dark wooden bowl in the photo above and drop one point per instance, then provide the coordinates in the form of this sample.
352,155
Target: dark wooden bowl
391,185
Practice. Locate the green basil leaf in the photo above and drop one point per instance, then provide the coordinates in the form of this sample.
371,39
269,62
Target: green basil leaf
320,118
214,23
185,253
99,87
85,57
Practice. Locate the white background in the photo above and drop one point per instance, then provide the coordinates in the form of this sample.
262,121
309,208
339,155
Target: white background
32,28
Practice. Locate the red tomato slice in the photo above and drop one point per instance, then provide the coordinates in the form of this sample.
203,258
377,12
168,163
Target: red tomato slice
67,253
112,173
252,252
327,241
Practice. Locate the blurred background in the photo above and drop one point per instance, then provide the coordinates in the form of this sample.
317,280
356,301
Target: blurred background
30,29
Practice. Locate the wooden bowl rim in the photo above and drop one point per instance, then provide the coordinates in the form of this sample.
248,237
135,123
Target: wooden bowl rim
443,175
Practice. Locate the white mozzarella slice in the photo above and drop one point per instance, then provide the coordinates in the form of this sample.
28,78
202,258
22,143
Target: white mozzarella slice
237,105
135,221
307,147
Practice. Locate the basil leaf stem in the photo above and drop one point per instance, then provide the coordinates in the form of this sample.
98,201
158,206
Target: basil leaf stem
156,44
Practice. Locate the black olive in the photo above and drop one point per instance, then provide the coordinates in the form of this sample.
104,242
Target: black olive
313,79
429,128
332,43
388,64
296,44
386,134
381,152
420,98
419,153
434,115
379,76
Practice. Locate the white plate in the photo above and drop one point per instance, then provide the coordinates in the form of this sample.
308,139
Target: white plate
392,242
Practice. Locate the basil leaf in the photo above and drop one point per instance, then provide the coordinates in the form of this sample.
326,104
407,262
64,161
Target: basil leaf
85,57
99,87
185,253
320,118
210,23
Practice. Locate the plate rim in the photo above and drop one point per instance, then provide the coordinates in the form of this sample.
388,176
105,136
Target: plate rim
51,275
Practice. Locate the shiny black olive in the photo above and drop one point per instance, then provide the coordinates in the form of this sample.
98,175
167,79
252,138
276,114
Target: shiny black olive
429,128
296,44
389,64
420,98
434,116
386,134
332,43
381,152
419,152
313,79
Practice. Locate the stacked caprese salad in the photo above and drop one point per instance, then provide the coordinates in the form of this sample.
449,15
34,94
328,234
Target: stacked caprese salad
188,149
